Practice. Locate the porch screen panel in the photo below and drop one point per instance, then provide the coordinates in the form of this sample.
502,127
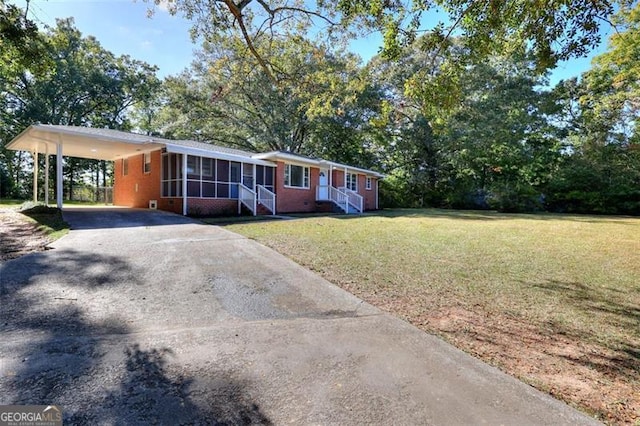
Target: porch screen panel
235,172
208,178
247,175
193,188
268,176
222,176
223,190
171,182
208,189
260,175
235,176
222,169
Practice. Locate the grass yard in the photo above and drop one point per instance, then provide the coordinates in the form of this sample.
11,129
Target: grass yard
554,300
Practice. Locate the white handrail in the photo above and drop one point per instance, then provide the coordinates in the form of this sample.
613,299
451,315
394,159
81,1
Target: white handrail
267,198
339,197
354,198
247,197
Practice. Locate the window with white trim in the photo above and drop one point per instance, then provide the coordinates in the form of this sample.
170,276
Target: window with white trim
296,176
147,162
352,181
368,183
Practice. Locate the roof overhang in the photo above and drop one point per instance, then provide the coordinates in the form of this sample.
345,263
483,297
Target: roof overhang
82,144
178,149
301,160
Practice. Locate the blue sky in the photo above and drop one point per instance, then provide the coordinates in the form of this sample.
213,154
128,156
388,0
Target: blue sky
122,26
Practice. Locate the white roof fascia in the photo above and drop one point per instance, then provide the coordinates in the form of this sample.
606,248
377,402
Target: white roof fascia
58,129
356,169
289,158
178,149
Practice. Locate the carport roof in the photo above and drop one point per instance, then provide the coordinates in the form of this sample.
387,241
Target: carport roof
108,144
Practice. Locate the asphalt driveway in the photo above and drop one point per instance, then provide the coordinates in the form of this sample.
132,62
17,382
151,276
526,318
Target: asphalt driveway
140,317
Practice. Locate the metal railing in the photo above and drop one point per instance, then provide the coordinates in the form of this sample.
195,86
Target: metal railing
247,197
266,198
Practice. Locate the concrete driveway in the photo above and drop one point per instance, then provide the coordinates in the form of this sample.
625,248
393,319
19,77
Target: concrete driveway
147,317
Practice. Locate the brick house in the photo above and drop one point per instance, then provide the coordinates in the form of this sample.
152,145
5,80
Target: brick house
191,177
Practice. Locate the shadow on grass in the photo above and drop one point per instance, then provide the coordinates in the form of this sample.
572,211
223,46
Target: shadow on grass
56,351
605,307
482,215
49,221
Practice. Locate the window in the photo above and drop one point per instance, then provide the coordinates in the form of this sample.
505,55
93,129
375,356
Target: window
125,166
368,184
147,162
352,181
296,176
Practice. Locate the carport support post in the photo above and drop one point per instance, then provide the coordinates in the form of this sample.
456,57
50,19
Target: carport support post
59,172
184,184
46,175
35,175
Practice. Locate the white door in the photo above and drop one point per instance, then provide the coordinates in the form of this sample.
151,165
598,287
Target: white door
323,185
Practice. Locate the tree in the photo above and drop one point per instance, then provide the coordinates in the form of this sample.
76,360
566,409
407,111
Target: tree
552,30
600,170
317,107
82,85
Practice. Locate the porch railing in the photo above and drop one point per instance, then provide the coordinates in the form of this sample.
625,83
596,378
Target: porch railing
247,197
339,197
266,198
354,198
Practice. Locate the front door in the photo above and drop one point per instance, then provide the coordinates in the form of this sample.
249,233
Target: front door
323,185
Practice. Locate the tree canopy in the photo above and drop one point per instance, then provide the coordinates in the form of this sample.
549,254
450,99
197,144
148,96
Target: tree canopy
550,30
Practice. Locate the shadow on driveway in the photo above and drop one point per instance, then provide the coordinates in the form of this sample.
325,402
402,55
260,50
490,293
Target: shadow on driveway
55,351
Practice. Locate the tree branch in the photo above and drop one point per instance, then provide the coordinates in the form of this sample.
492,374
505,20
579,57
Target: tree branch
237,13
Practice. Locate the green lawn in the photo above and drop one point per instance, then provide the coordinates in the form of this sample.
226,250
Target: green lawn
515,290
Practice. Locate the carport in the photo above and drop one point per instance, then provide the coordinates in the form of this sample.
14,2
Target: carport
81,142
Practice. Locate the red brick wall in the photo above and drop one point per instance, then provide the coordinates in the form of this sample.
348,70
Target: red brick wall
369,195
337,180
173,204
137,188
295,200
212,206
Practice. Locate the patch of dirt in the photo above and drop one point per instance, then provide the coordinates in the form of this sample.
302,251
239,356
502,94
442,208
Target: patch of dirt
19,235
598,380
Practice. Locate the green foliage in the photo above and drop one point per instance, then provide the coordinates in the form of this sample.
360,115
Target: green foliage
75,82
320,106
552,30
604,180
